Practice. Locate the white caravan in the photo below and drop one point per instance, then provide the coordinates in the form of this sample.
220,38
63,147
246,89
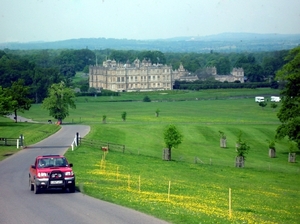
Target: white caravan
259,99
275,99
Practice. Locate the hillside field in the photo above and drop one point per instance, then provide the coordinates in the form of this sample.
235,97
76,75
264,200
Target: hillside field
194,187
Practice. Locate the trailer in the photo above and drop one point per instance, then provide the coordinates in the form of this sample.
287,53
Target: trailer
259,99
275,99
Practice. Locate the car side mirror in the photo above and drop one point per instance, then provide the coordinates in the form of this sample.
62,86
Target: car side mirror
33,166
71,165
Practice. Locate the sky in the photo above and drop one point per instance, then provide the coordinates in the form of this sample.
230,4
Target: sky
53,20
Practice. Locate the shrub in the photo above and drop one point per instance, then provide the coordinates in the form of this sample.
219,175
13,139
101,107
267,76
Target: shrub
146,99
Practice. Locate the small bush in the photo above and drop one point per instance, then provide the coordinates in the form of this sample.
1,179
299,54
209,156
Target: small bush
146,99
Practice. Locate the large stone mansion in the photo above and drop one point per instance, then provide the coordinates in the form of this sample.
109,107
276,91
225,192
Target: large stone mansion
145,76
139,76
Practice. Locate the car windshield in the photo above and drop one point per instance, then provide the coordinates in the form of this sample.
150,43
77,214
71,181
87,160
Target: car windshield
52,162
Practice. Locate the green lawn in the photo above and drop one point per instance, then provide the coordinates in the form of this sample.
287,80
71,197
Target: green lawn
32,132
179,95
266,190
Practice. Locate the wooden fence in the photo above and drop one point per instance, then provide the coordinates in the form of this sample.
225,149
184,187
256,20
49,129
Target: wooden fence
105,146
9,141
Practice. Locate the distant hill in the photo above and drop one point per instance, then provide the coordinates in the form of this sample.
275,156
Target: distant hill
225,42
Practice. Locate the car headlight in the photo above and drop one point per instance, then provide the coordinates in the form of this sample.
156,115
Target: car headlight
42,175
69,173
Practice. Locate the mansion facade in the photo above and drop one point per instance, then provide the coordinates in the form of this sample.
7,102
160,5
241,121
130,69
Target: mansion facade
138,76
145,76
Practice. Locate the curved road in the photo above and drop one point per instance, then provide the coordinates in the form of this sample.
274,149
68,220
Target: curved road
19,205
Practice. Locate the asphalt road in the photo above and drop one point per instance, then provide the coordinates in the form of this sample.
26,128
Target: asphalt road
20,205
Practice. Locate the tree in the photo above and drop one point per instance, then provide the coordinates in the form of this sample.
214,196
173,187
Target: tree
42,79
83,85
223,66
222,139
172,138
253,71
153,56
19,94
93,91
242,149
104,119
121,56
157,112
59,99
273,106
14,67
146,99
123,115
75,59
262,104
5,102
289,113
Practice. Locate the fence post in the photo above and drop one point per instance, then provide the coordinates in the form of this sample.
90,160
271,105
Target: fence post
128,181
77,138
21,140
229,203
169,190
139,183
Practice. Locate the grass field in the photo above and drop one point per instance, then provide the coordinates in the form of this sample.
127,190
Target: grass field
184,95
194,186
32,132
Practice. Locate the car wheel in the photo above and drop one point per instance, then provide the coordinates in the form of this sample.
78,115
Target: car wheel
30,185
36,189
72,188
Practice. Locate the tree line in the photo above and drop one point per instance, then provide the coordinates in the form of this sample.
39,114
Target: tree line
257,66
39,69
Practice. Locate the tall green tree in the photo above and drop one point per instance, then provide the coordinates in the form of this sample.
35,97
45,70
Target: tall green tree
19,94
223,66
153,56
253,71
60,99
172,138
289,113
76,59
42,79
14,67
5,102
123,115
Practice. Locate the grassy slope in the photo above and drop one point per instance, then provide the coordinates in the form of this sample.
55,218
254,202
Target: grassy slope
265,191
32,133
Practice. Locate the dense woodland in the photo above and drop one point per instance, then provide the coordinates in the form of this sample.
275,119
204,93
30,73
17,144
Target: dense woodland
41,68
